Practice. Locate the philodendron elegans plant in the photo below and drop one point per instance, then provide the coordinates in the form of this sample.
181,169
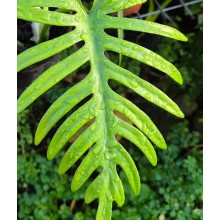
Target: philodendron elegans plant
97,143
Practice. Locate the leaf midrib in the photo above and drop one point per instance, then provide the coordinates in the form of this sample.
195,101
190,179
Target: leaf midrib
100,80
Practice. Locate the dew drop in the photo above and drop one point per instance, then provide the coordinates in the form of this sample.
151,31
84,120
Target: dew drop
85,50
77,31
135,47
84,36
109,196
96,150
133,56
153,130
148,96
126,111
124,51
37,87
102,105
112,156
107,156
114,122
144,128
77,19
134,83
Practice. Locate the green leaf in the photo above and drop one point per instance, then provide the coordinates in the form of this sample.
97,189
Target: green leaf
50,77
97,143
142,54
144,26
46,17
60,107
70,126
47,49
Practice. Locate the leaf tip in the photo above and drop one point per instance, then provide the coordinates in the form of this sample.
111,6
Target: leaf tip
176,75
50,156
184,38
163,145
20,107
37,139
179,80
181,114
137,191
181,36
154,163
19,110
63,167
61,170
74,186
39,134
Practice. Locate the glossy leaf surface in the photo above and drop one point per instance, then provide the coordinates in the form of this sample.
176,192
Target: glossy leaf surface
97,142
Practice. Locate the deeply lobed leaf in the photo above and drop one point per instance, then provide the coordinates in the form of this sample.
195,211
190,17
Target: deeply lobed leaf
97,142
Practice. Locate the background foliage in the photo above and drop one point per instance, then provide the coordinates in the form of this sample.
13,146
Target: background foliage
172,189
